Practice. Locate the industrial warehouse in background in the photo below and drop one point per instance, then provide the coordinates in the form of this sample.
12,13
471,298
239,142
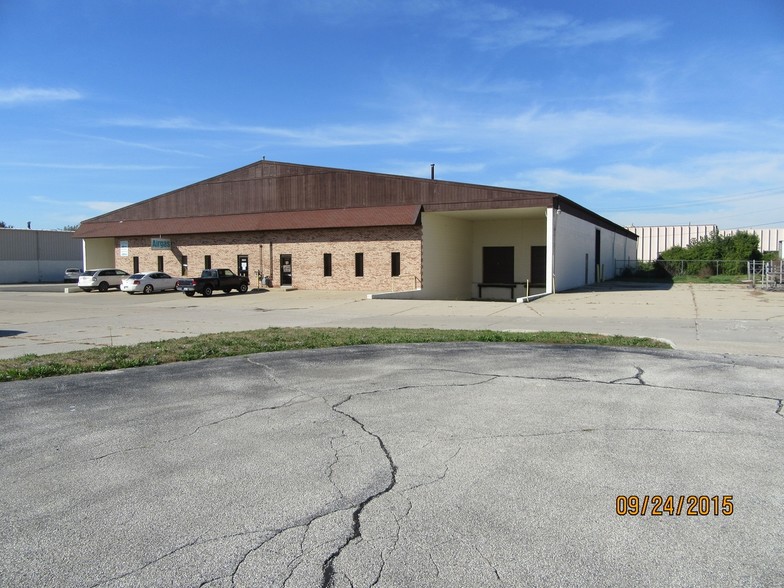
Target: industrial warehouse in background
33,256
651,241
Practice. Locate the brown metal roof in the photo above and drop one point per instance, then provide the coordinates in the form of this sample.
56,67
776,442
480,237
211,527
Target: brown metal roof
377,216
269,194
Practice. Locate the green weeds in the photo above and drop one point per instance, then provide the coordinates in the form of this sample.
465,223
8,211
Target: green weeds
209,346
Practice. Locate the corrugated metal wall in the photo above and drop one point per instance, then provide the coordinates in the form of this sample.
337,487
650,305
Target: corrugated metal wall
31,245
770,239
37,256
653,240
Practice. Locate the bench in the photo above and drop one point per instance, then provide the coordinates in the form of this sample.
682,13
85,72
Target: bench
510,285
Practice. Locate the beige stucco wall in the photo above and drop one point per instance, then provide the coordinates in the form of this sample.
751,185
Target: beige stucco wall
446,257
452,252
98,253
522,234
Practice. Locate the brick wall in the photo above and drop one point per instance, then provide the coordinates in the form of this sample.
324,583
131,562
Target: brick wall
307,249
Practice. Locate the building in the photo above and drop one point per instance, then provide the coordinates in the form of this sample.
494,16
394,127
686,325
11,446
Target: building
652,240
770,240
32,256
321,228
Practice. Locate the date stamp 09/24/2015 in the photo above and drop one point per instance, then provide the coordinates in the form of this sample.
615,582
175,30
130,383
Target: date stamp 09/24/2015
657,505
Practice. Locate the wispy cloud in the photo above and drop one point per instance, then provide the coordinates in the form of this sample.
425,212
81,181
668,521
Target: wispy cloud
490,26
317,136
73,212
551,134
88,166
715,173
25,95
135,144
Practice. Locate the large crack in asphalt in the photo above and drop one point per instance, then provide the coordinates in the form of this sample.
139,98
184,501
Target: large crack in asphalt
356,527
329,570
635,380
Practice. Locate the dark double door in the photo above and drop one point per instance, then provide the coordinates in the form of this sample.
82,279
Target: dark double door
498,265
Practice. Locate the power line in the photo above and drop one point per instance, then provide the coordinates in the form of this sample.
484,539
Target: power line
720,199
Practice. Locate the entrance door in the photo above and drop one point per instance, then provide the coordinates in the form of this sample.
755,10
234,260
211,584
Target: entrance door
285,270
242,265
498,265
539,265
598,255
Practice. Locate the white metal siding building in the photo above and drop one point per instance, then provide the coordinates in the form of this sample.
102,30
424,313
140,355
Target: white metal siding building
30,256
652,240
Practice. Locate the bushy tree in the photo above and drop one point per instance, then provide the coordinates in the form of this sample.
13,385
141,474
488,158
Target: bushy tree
739,248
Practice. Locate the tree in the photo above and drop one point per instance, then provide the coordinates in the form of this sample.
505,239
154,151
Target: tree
740,248
5,226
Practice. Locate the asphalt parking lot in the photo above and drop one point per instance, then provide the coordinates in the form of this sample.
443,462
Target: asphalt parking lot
712,318
422,465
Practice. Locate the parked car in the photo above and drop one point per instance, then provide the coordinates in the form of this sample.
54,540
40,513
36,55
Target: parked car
102,279
148,283
72,274
211,280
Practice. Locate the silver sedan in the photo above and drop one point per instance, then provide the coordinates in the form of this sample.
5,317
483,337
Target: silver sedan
148,283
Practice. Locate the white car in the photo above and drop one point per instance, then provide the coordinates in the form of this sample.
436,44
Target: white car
102,279
148,283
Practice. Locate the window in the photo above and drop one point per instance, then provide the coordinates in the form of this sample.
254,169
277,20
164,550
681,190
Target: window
136,264
184,263
160,263
395,263
208,262
327,265
359,264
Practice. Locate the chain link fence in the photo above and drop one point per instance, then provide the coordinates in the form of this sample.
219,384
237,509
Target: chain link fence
766,274
680,267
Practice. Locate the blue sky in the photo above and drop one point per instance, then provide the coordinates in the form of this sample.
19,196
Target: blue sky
645,112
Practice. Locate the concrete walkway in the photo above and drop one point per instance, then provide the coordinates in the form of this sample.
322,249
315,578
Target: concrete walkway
712,318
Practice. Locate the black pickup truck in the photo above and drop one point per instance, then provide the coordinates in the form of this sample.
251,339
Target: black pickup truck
211,280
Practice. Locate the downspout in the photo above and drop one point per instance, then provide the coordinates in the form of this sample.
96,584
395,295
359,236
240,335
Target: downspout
556,210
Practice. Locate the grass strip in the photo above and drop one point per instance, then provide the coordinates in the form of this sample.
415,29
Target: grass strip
209,346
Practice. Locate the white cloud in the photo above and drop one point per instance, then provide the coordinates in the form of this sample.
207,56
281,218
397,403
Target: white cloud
102,206
551,134
25,95
711,174
317,136
89,166
490,26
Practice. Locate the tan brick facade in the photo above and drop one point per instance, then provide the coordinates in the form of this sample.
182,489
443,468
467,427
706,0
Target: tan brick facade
307,249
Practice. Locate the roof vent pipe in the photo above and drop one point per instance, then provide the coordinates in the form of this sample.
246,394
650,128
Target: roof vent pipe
432,171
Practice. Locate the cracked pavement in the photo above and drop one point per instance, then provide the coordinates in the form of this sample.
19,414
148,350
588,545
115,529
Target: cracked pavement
409,465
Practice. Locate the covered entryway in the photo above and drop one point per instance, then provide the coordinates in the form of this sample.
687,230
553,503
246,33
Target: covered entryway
465,249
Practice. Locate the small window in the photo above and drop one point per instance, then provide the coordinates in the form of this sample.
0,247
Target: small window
395,263
359,264
135,264
160,263
327,265
184,263
208,262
